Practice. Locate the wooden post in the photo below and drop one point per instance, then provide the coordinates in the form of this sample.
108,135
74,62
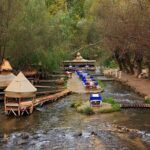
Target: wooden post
19,107
5,105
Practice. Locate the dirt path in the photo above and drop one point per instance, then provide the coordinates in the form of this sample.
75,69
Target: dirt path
141,86
75,85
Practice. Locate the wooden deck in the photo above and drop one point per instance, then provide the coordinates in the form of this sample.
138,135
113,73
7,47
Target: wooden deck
19,108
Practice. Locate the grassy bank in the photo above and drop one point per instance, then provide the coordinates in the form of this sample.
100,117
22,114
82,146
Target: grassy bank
114,105
109,105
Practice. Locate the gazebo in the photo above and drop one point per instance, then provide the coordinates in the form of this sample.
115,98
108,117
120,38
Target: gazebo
6,75
19,96
79,62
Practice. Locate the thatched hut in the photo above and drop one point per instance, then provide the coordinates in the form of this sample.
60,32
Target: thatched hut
5,74
79,62
19,96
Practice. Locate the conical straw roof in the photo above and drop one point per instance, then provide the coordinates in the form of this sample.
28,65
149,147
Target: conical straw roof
5,79
79,58
20,87
5,66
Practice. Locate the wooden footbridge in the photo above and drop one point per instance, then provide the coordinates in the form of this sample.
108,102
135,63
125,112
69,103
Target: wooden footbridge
135,106
51,98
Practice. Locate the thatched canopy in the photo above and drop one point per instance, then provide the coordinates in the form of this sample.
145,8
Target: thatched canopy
20,87
5,66
80,59
5,79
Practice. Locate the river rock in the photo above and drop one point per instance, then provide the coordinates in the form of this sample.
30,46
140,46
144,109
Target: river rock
22,141
93,133
78,134
133,134
25,135
4,141
36,136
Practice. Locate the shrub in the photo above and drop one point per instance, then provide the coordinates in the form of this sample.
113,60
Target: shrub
102,85
115,106
75,104
147,101
86,110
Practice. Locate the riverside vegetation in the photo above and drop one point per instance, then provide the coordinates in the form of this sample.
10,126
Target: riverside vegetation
109,105
35,32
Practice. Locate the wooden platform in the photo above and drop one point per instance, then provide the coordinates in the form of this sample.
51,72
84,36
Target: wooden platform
141,106
54,97
26,107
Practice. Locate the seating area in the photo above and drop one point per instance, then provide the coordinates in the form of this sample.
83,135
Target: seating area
88,81
95,99
19,96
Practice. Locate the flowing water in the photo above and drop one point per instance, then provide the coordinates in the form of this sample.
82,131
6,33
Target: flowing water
57,126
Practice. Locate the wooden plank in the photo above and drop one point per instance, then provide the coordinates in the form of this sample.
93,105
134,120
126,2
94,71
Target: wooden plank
53,97
49,81
135,106
43,86
49,92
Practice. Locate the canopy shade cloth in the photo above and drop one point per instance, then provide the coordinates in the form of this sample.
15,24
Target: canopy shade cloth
5,79
5,66
96,97
20,87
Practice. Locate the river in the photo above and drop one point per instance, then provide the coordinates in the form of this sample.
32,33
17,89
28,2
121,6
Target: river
57,126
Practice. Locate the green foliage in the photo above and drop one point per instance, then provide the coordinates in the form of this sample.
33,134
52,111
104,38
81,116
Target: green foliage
87,110
115,106
110,63
102,85
147,101
76,104
83,107
109,100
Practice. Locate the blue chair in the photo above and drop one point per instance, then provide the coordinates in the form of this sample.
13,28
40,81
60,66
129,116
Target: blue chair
95,99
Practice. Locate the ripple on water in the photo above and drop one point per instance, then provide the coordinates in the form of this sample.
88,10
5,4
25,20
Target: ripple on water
61,127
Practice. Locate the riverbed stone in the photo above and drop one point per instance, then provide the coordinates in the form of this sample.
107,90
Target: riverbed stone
25,135
22,141
4,140
78,134
93,133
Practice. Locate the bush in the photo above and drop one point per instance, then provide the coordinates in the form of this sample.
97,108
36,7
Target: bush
83,107
86,110
75,104
147,101
115,106
102,85
109,100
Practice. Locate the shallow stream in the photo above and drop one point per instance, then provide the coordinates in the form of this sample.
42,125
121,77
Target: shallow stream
57,126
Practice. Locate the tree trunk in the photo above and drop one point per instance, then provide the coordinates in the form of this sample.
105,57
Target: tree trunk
129,64
149,71
119,64
139,67
125,67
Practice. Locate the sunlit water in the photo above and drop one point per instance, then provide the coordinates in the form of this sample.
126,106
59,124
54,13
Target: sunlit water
58,126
